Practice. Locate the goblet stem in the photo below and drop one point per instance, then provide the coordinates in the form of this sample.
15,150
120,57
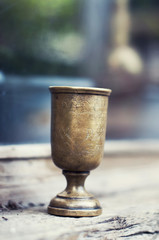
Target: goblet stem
75,201
75,184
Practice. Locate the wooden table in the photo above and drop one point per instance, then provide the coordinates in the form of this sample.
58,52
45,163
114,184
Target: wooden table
126,183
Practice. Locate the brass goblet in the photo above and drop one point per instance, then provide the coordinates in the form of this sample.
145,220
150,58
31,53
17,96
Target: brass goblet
78,127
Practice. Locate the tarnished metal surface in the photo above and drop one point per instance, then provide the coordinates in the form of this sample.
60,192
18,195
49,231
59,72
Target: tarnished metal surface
78,128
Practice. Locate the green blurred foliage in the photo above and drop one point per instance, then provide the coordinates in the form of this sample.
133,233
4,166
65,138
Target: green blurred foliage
23,22
25,17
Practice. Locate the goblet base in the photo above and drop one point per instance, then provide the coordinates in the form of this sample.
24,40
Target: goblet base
75,201
74,213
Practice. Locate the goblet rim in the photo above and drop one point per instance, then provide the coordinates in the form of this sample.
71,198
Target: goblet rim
78,90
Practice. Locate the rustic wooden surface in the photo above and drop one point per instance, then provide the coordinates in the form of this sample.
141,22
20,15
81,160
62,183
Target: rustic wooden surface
25,151
126,185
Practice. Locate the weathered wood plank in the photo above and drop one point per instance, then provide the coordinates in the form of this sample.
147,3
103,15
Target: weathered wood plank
127,187
27,151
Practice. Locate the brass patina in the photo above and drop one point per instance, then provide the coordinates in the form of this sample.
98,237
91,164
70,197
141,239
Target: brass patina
78,127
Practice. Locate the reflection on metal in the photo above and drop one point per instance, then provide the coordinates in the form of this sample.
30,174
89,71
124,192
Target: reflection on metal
78,128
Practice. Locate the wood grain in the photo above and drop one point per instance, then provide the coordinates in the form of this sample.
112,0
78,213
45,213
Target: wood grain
32,151
127,187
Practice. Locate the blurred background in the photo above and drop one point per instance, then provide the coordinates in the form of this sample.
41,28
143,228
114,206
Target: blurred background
95,43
